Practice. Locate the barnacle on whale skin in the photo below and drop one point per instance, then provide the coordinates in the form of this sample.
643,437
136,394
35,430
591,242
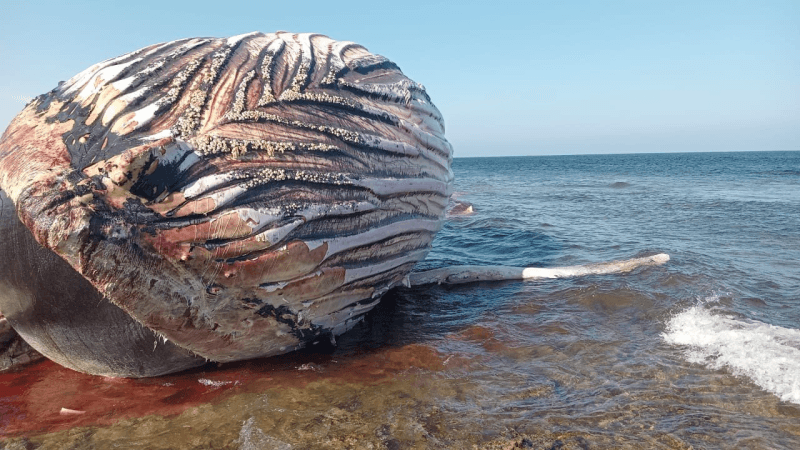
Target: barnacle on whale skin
233,198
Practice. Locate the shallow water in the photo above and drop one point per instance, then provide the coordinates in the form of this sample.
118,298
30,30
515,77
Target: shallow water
702,352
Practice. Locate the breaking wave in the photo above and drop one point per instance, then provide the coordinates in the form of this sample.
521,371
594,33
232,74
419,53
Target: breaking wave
767,354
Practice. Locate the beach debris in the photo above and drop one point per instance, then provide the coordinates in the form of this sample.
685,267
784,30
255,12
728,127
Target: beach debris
216,384
310,366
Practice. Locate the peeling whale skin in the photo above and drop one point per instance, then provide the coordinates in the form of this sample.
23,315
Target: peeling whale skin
215,199
64,317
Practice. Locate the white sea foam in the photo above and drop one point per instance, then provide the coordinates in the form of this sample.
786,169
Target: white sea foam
767,354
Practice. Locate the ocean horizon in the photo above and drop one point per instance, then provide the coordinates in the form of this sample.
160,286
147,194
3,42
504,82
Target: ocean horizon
624,153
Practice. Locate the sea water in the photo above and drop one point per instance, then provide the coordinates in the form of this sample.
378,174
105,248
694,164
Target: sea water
702,352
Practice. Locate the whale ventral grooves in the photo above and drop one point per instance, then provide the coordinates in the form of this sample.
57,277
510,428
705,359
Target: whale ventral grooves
220,199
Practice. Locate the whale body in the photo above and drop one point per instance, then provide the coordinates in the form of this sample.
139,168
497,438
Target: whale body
215,199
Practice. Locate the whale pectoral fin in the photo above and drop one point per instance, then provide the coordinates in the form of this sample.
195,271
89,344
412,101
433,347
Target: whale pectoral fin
473,274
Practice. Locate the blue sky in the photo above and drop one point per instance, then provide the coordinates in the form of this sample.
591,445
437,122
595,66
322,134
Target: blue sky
510,77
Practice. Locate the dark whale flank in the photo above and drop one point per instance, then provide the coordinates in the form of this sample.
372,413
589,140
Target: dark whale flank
63,316
236,197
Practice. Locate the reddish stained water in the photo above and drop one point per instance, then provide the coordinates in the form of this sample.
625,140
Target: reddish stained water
32,398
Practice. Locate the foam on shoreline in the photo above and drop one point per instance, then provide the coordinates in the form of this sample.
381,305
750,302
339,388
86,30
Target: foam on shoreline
769,355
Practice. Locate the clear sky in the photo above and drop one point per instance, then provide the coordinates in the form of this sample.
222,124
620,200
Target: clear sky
510,77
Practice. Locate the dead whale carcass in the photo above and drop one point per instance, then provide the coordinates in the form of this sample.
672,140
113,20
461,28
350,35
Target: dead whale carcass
217,199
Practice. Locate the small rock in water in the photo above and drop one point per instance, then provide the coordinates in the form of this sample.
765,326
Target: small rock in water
252,438
14,352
